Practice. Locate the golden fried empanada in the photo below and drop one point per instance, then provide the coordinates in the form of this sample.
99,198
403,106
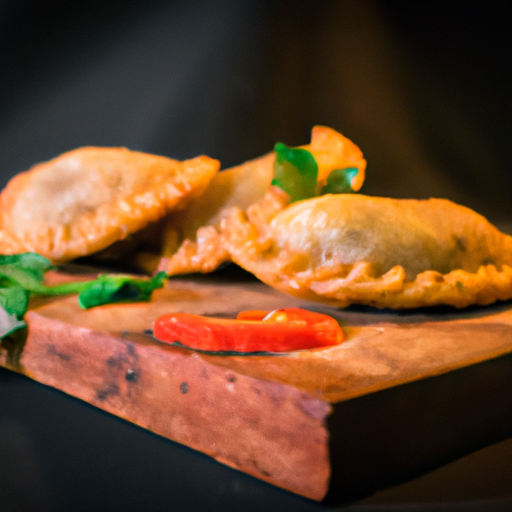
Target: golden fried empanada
355,249
191,239
86,199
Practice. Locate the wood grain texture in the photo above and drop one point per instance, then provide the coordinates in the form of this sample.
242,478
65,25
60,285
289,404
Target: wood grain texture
273,417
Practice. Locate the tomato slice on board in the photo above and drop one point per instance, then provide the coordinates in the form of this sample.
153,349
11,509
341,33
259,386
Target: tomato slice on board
280,330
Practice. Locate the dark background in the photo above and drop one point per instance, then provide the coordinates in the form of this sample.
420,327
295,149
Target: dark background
424,88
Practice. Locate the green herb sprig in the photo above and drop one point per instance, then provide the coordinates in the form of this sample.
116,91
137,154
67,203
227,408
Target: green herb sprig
296,172
22,275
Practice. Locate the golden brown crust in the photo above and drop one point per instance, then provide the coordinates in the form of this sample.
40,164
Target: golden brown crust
355,249
191,240
196,243
208,251
88,198
203,255
8,245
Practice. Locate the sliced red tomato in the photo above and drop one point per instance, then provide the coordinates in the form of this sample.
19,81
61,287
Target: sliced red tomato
280,330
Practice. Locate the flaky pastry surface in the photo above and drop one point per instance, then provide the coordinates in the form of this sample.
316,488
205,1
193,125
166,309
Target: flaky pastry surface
355,249
192,241
86,199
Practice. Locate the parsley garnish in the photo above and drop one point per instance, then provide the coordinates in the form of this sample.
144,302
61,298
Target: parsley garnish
22,275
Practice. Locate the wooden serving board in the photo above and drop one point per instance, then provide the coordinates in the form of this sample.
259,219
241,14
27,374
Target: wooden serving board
301,421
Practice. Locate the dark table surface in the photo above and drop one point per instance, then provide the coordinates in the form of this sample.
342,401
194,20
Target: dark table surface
422,88
60,454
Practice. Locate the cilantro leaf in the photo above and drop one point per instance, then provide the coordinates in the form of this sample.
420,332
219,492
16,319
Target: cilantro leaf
109,289
13,297
22,275
26,269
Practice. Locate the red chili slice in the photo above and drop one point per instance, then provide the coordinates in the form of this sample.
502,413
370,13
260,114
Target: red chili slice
281,330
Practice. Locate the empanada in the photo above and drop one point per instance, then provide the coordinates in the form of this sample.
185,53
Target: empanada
86,199
355,249
191,239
